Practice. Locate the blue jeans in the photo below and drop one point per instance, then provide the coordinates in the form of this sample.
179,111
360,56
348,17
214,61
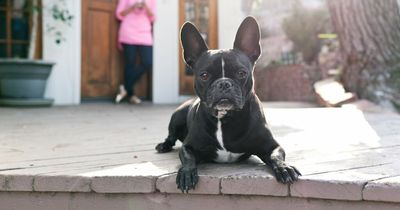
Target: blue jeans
134,70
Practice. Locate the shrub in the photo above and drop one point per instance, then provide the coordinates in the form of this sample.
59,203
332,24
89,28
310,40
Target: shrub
302,27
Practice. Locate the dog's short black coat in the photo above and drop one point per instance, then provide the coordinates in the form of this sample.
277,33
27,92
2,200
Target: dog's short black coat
226,122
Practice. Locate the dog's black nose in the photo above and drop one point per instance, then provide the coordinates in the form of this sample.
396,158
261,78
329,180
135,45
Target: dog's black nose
224,85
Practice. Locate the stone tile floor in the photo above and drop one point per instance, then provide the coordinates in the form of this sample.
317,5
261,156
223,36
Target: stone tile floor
343,153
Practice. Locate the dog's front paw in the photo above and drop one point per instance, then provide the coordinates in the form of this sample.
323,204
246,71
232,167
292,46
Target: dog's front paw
163,147
187,179
285,173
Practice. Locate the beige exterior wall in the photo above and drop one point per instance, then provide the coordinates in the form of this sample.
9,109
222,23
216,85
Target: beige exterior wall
230,16
165,53
65,79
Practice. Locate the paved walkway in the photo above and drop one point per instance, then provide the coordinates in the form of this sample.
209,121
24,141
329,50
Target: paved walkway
343,153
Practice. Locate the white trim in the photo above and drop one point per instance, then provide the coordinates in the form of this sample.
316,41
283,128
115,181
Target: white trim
64,84
230,16
166,53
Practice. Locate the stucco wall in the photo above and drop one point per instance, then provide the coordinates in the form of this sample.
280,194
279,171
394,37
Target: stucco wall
230,16
64,81
166,65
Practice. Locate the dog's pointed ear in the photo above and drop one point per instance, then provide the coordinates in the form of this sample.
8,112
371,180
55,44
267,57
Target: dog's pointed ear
192,42
247,39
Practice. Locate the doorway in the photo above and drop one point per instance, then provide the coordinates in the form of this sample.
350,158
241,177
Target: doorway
203,14
102,62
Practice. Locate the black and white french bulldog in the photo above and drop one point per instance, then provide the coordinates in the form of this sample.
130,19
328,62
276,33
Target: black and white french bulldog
226,122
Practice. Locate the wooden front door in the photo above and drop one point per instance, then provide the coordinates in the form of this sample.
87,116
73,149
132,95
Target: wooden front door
102,62
202,13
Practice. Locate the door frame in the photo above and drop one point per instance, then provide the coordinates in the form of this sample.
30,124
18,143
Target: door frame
186,83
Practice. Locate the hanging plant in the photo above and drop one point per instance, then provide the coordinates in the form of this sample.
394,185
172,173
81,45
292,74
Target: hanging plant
62,17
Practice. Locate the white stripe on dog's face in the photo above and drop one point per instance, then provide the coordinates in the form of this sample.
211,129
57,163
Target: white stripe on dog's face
223,67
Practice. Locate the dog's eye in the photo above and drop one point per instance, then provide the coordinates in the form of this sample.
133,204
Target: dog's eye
241,74
204,76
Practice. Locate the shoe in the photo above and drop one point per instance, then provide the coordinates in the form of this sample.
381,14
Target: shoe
135,100
121,95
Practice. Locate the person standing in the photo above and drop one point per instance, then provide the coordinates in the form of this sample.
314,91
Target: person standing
136,40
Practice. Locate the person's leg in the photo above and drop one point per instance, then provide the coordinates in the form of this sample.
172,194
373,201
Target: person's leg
146,61
146,53
145,64
130,70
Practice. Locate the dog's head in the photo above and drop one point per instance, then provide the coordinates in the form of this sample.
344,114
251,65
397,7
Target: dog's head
223,78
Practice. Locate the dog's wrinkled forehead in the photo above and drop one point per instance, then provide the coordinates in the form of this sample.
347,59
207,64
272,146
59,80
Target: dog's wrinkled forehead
221,63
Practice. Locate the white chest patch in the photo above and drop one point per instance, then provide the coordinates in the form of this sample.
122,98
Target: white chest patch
223,155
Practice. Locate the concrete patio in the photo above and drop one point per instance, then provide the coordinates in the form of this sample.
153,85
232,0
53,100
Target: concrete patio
101,156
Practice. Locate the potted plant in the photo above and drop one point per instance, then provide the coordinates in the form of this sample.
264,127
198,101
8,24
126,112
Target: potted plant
23,80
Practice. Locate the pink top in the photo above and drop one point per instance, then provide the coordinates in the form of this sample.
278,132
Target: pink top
135,27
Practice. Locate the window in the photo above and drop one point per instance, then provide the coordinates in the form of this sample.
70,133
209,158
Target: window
15,27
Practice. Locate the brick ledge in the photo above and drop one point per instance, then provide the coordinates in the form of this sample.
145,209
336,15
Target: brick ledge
386,190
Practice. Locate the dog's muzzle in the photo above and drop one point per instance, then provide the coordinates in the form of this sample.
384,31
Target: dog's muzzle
224,95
